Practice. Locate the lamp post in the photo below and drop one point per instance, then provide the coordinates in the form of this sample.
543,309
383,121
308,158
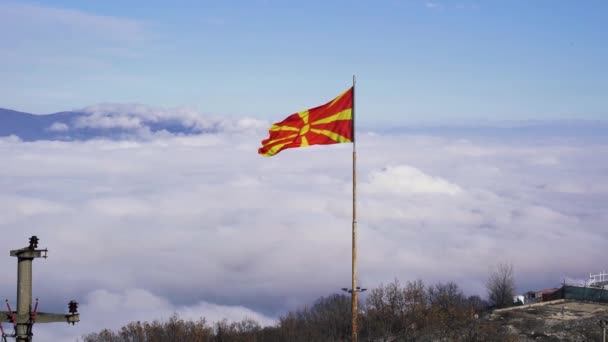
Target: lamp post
358,289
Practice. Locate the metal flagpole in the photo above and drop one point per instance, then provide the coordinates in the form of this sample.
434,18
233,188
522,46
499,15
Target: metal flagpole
354,261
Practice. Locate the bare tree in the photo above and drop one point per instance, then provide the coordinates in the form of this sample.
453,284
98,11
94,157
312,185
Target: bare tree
328,319
392,312
501,286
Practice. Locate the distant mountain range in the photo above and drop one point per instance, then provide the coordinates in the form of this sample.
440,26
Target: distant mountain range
134,121
104,121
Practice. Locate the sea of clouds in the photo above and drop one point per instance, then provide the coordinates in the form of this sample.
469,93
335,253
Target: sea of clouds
203,226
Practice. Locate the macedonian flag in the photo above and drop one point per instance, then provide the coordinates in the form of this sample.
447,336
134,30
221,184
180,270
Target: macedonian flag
331,123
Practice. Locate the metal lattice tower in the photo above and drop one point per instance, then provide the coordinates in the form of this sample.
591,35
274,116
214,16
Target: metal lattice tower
24,317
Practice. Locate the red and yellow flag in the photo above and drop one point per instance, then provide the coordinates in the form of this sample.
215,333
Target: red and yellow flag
331,123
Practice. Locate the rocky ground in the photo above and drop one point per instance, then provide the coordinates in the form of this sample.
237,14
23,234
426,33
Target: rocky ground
554,321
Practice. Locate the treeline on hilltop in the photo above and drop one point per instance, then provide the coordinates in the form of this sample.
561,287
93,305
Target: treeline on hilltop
392,312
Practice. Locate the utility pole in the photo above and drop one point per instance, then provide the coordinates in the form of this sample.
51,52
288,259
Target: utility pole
24,318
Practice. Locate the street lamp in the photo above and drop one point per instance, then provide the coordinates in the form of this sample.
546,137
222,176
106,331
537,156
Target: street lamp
359,289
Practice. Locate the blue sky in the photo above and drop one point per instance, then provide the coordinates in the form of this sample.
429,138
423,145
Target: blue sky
438,61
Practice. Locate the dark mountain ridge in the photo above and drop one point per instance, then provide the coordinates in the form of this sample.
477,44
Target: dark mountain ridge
86,125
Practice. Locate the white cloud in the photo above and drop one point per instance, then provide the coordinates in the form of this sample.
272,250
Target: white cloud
9,139
108,121
432,5
112,309
139,117
13,208
202,225
403,179
58,127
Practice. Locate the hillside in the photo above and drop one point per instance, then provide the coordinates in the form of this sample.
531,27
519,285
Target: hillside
559,320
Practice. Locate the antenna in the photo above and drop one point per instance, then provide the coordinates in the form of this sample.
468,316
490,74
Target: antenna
24,318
